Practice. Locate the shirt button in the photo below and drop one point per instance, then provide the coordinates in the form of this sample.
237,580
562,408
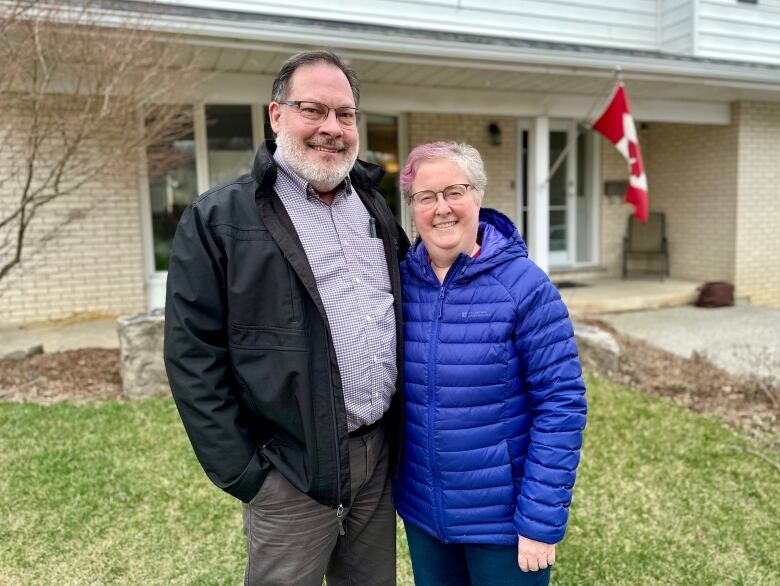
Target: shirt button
376,359
357,280
376,395
347,243
369,318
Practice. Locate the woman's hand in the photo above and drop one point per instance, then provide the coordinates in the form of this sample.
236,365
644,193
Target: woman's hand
534,555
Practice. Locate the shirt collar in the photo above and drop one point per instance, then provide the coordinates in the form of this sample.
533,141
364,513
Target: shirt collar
343,189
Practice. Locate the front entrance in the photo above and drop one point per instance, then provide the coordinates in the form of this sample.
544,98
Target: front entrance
573,210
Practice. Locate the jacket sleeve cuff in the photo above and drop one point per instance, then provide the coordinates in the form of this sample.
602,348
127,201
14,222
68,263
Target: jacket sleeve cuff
537,530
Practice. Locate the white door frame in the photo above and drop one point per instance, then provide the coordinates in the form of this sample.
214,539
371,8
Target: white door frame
538,192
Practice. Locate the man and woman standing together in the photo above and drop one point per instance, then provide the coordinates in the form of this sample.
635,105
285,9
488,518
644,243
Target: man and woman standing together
328,373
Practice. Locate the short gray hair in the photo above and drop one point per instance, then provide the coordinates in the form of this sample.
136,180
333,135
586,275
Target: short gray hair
463,155
281,87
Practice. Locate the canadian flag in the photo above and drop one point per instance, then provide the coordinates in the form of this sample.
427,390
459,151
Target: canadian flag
617,124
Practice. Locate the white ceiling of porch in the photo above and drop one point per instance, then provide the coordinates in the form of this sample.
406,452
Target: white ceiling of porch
505,77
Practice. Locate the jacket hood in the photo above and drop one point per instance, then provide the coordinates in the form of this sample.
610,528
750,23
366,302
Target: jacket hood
500,240
364,175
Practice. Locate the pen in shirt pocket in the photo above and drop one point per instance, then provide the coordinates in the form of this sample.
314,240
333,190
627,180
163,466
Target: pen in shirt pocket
372,227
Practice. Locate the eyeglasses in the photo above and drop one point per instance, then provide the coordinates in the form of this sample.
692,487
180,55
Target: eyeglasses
451,194
317,113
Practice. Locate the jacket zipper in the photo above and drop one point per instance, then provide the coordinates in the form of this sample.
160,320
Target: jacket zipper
432,399
340,507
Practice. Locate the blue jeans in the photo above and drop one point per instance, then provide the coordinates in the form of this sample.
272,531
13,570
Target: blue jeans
435,563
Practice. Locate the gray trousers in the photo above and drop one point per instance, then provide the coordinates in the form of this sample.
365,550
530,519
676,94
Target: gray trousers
292,539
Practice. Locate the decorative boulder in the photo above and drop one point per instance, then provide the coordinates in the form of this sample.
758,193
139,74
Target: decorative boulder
19,353
141,355
598,348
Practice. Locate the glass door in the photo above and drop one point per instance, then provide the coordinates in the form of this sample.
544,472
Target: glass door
563,194
573,210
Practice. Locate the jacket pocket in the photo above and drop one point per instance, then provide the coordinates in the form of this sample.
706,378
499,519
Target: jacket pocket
272,367
267,337
262,288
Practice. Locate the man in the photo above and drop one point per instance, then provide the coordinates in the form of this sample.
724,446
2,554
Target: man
283,340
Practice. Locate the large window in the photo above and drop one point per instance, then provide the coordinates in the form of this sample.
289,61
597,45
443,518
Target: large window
173,168
172,185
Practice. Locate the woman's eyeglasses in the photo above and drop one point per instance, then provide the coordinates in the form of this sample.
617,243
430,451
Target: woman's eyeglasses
451,194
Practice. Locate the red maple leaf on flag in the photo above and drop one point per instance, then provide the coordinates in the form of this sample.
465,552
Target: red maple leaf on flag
617,124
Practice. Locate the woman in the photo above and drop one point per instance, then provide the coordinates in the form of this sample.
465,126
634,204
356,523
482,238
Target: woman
494,399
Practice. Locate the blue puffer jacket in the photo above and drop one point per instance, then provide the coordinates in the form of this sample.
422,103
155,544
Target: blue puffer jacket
495,403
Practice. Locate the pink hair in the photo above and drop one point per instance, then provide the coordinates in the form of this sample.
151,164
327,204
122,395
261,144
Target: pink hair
465,156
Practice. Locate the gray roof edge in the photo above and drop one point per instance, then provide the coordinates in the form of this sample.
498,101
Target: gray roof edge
561,50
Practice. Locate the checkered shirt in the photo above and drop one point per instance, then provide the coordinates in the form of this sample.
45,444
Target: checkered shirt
350,269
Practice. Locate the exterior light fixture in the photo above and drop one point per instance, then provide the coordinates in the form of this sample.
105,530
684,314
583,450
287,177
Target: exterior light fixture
495,133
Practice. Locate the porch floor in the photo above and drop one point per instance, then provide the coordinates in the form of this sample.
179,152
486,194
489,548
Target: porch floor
610,295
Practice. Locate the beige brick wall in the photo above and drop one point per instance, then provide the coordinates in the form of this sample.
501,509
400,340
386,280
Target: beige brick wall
500,160
691,173
91,265
758,204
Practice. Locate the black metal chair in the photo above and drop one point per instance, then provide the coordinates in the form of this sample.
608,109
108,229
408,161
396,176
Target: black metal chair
647,242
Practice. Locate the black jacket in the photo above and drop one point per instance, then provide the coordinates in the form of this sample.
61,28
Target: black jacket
248,349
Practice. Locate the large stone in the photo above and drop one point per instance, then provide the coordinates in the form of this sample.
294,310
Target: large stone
141,355
598,348
19,353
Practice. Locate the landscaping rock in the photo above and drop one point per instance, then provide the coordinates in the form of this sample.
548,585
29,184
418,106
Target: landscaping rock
141,355
20,353
598,348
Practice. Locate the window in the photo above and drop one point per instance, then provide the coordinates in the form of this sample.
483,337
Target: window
230,145
382,150
172,185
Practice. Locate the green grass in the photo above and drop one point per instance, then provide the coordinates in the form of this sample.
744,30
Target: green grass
112,494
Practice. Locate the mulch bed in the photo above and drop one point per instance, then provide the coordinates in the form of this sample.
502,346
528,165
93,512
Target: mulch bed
87,374
751,406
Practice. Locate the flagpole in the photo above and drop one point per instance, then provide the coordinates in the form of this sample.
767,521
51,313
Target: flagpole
617,76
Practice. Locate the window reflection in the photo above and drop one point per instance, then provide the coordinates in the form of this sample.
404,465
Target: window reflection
172,186
230,144
382,150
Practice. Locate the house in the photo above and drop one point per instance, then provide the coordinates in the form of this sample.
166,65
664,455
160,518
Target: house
518,80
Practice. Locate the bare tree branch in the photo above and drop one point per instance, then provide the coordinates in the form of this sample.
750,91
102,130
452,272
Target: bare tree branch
76,90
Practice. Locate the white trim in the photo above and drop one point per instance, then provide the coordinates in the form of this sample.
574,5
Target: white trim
403,152
571,191
418,99
147,230
244,88
695,26
156,289
538,192
522,125
201,146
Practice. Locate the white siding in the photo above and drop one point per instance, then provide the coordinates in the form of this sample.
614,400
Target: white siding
615,23
676,26
731,30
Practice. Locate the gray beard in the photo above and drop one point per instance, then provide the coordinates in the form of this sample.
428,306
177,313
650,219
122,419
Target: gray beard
321,177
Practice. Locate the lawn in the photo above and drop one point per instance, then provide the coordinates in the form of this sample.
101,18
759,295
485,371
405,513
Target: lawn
111,494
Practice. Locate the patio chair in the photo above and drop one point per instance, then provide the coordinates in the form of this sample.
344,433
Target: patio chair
647,242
